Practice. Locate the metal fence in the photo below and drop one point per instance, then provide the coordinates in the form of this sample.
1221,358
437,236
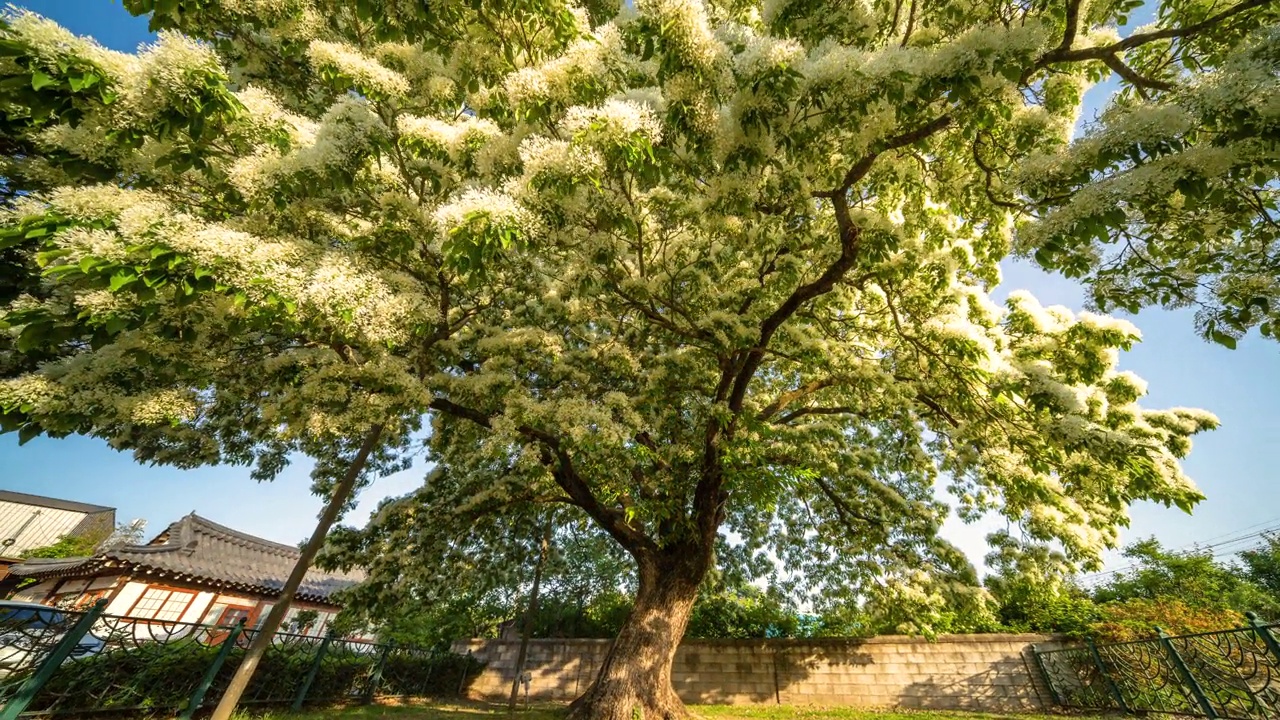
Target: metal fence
73,663
1230,674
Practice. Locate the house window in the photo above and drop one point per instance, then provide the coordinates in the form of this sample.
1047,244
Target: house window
161,604
77,600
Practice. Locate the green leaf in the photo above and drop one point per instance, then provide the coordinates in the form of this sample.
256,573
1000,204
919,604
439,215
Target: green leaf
40,79
121,279
1222,339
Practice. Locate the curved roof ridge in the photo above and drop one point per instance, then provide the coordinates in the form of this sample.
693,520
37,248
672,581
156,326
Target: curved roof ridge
203,524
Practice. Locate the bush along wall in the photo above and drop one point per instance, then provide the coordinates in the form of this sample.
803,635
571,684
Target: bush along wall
180,668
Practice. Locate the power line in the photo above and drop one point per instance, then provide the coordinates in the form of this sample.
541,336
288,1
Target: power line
1094,579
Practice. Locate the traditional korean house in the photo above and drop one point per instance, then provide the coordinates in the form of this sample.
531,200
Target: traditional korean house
194,571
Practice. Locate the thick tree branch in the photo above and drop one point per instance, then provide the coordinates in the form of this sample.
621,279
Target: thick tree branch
937,409
843,511
738,371
791,396
1139,81
612,520
801,412
1073,25
459,411
1064,53
860,169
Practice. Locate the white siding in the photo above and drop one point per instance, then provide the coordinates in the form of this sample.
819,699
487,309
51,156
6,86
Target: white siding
198,607
129,595
45,529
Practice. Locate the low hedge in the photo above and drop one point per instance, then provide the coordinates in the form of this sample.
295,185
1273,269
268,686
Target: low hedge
162,677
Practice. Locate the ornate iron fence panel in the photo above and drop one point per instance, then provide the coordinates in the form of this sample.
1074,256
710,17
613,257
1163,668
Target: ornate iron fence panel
281,671
1230,674
161,668
344,671
1073,675
1237,673
28,637
133,665
1145,677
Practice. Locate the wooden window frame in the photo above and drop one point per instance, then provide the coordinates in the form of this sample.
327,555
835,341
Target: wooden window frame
171,590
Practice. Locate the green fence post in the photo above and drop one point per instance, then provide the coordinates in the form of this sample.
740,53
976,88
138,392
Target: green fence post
1106,676
311,674
1044,675
19,702
197,697
375,678
1194,685
1265,633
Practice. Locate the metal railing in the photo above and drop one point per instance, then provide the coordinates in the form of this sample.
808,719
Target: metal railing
73,663
1230,674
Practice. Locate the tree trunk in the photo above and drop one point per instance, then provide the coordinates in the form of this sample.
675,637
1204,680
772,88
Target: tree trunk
635,680
530,614
258,647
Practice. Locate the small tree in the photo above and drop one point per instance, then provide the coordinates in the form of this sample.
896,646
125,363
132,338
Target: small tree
1262,566
67,546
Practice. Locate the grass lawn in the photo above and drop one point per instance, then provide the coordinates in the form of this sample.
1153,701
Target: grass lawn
482,711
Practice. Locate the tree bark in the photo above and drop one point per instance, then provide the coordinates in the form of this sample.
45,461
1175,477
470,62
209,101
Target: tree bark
530,614
634,682
258,647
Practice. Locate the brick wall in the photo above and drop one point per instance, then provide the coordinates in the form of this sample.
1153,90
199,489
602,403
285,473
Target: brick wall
973,672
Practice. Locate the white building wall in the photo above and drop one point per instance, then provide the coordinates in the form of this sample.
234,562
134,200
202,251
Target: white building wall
198,606
46,526
129,595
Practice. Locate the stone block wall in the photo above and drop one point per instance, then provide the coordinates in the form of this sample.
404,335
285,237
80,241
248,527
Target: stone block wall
994,673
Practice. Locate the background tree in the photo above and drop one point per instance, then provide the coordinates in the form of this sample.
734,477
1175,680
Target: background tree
1032,589
1262,566
696,267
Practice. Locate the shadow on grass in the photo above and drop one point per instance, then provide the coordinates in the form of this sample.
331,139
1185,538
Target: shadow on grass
550,711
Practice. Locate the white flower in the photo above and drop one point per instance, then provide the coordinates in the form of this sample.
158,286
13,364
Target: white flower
366,72
590,58
499,208
541,155
454,138
685,27
616,119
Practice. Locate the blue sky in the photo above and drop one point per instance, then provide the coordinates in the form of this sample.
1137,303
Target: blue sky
1231,465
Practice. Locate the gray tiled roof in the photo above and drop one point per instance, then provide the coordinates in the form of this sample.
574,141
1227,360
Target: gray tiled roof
203,552
55,503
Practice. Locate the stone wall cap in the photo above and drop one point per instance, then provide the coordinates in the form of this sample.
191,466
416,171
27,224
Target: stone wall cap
694,643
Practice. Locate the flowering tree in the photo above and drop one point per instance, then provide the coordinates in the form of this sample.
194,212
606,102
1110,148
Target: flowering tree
687,267
1172,198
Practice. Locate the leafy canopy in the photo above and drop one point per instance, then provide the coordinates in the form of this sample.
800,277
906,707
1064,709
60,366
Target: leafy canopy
683,267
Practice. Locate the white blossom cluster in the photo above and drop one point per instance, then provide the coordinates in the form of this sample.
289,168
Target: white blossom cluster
367,73
685,25
454,139
615,120
342,138
491,208
591,59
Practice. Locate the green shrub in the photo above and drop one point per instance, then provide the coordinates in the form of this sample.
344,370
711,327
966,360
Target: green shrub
160,677
419,674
